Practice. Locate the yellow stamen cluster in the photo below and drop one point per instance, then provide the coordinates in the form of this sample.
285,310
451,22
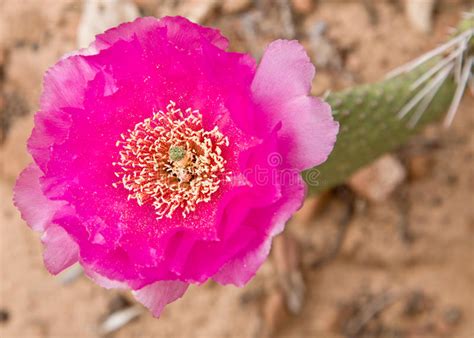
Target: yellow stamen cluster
169,160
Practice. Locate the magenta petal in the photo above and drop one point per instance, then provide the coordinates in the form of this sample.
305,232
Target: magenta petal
240,270
60,251
187,34
72,73
52,123
181,31
35,208
281,87
126,31
157,295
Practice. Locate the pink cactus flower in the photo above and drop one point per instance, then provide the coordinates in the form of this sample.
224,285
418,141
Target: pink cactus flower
161,160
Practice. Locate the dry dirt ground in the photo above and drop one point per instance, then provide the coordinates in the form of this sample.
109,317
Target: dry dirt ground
405,266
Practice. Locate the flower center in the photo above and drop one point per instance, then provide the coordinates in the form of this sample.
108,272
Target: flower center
169,160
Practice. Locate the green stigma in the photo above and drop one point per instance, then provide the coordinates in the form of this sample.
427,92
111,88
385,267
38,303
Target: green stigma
176,153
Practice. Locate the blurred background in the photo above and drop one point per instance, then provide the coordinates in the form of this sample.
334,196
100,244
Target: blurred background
388,254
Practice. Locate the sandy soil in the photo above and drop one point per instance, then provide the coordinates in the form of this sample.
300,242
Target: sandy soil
404,267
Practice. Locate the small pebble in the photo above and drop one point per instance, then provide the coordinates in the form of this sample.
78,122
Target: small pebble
453,316
420,14
4,316
119,319
378,180
452,179
234,6
416,304
117,303
419,166
302,6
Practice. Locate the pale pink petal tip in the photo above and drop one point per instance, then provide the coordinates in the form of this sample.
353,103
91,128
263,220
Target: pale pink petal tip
102,280
157,295
281,88
60,251
35,208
